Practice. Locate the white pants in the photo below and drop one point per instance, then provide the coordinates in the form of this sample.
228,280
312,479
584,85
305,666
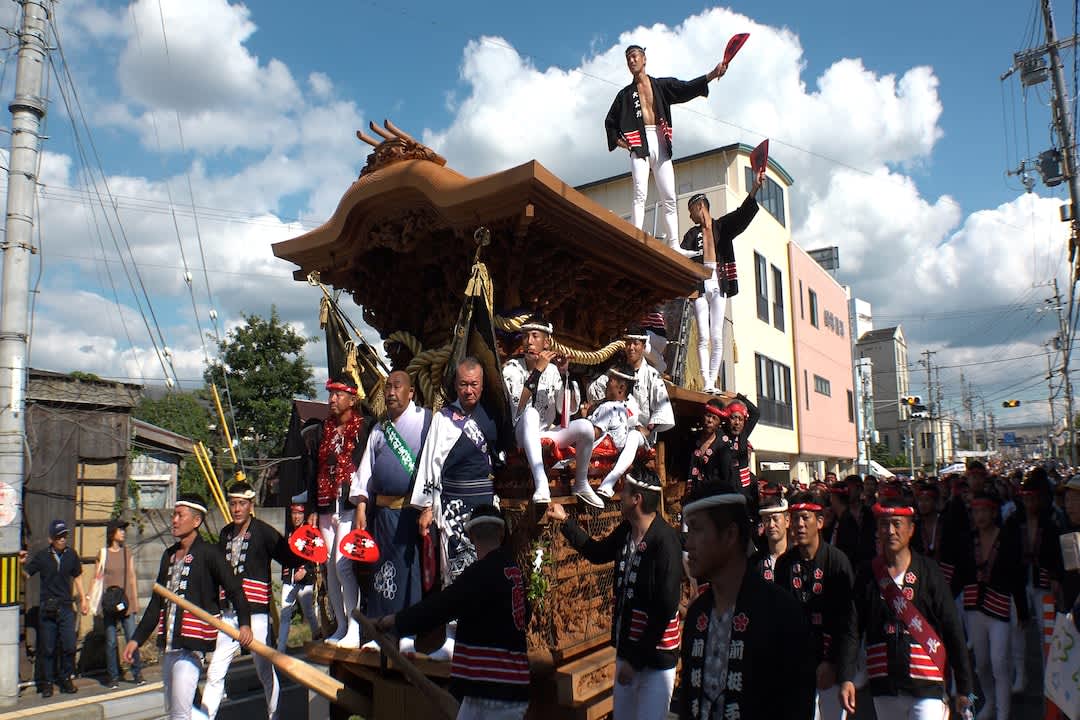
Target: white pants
710,307
224,652
634,440
990,643
655,347
342,590
906,707
663,170
648,697
180,671
828,705
527,434
579,435
291,596
474,708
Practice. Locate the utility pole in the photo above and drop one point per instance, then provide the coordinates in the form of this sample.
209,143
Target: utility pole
27,111
930,408
1065,345
1050,400
986,433
965,390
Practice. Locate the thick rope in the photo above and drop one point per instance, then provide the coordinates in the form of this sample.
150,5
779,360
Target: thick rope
581,357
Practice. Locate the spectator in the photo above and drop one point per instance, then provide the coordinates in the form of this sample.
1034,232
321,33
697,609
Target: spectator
59,568
114,596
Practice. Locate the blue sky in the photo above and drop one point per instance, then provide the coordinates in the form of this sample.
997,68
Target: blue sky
900,165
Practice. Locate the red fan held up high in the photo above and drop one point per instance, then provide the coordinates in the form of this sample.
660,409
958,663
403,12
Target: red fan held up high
734,45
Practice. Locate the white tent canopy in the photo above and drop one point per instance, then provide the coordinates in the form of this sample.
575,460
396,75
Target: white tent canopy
880,470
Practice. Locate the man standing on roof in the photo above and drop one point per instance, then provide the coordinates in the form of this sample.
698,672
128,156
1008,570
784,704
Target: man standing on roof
640,121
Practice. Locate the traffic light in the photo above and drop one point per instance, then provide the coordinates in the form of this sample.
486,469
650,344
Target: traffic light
911,400
1010,404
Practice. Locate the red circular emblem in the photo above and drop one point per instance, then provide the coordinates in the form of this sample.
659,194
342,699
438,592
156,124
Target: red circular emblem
740,622
702,623
768,575
817,588
641,546
909,593
818,574
188,558
909,578
796,582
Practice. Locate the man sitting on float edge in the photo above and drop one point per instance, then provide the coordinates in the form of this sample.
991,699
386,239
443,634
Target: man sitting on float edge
535,386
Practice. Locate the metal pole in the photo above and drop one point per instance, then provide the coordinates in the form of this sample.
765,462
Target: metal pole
27,110
1050,401
1063,125
928,354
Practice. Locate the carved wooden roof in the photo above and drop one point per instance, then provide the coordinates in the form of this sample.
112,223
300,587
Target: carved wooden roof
401,241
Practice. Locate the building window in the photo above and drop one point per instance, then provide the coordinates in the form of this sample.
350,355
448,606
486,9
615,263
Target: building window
822,386
925,441
885,441
850,407
761,277
802,307
813,308
774,392
770,196
806,387
778,299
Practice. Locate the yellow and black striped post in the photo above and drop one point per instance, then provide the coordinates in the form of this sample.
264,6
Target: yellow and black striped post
10,580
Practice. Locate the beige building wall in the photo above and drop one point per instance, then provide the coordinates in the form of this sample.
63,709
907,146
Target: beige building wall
721,175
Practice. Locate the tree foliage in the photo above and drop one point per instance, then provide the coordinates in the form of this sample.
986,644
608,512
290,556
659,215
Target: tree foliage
266,370
881,454
187,414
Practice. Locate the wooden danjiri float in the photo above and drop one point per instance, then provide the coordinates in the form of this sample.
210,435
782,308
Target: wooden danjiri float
404,242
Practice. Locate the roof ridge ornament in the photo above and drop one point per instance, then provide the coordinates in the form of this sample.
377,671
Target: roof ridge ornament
396,146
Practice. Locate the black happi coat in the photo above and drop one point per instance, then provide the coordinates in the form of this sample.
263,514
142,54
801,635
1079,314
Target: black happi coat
625,119
724,231
954,549
822,586
1042,558
771,669
205,575
261,544
1001,583
844,536
715,464
890,646
490,653
648,586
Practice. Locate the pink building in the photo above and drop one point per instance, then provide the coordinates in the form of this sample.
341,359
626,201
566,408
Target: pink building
823,372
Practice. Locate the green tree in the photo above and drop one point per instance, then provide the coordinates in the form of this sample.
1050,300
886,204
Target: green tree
881,454
266,370
187,414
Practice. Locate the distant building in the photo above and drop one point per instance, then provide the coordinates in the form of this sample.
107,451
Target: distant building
887,351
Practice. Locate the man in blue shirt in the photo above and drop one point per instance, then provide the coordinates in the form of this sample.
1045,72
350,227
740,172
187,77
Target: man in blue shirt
59,569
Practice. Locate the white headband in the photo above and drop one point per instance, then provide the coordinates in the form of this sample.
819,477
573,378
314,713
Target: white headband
248,494
642,338
190,504
643,485
621,375
548,328
782,506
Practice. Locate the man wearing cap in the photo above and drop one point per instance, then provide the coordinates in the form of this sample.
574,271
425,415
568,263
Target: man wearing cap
198,572
639,121
819,576
333,453
535,385
648,583
59,569
649,391
297,588
115,585
490,669
710,242
905,615
381,489
775,521
746,643
454,476
993,582
249,544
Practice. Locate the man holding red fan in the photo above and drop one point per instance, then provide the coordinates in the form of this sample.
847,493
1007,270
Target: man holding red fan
640,121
